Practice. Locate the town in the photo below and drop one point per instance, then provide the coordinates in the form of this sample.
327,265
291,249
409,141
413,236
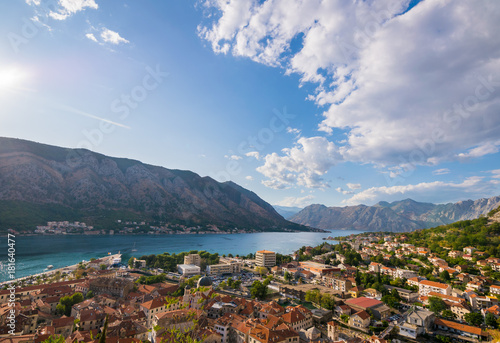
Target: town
371,287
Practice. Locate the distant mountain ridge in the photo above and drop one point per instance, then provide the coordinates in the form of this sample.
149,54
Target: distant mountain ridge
287,211
40,183
398,216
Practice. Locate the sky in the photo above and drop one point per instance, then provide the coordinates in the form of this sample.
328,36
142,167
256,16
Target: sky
303,102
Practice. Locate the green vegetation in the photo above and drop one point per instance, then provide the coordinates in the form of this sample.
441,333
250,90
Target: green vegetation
149,280
65,303
259,289
474,318
169,262
477,233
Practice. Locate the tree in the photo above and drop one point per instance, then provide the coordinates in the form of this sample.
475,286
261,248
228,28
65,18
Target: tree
436,305
103,266
445,276
131,262
344,318
288,276
448,314
474,318
259,289
89,295
102,339
314,296
490,320
54,339
261,270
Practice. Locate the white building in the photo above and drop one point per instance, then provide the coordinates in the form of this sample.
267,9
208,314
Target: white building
188,270
265,258
426,286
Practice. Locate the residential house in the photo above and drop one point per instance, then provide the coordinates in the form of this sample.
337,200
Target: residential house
417,323
360,320
426,286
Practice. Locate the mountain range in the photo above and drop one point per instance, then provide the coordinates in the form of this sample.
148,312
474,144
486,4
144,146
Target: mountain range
40,183
399,216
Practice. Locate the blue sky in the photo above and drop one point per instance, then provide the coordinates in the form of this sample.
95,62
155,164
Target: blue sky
327,102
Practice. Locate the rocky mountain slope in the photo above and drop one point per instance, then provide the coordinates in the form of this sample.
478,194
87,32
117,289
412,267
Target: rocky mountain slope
39,183
398,216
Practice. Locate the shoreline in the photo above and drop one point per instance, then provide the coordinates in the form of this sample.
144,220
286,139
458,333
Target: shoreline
67,269
151,233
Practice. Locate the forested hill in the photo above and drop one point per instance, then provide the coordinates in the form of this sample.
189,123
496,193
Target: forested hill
482,233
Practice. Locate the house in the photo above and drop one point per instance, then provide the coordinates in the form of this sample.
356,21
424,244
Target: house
414,281
298,318
342,309
116,287
356,291
494,290
158,305
459,309
417,323
360,320
379,309
426,286
404,273
341,284
63,326
374,267
455,254
479,302
458,330
469,250
405,294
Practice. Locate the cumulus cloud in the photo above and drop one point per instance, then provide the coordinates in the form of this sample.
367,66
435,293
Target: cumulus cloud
233,157
69,7
249,178
112,37
303,165
297,202
254,154
436,191
408,87
441,171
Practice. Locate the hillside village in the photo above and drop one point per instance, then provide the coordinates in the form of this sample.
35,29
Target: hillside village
371,287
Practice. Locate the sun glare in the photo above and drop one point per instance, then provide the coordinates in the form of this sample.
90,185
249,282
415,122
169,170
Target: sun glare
11,78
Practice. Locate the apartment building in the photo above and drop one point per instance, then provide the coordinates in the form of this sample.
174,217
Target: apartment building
265,258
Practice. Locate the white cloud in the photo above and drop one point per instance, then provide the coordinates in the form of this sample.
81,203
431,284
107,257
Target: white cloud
441,171
354,185
33,2
482,150
302,165
69,7
342,191
91,37
296,202
437,192
495,173
293,131
233,157
249,178
112,37
408,89
254,154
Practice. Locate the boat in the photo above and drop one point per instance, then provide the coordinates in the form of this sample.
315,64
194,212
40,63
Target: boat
134,249
50,266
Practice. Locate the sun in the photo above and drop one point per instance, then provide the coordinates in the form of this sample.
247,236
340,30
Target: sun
11,78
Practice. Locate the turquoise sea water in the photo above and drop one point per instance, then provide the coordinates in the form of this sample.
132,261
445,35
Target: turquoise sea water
35,253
